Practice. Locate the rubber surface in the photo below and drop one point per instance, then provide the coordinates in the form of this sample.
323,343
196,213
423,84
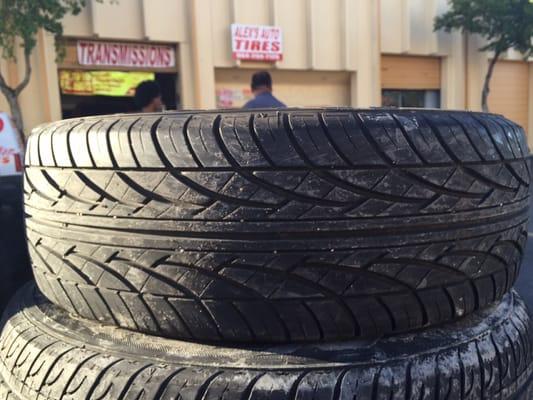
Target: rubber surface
277,226
46,354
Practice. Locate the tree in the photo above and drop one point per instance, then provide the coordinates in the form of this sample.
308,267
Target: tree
20,21
504,24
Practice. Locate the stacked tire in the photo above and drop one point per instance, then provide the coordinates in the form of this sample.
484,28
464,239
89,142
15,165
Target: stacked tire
274,254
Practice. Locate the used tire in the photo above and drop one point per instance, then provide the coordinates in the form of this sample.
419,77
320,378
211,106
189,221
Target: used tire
277,226
47,354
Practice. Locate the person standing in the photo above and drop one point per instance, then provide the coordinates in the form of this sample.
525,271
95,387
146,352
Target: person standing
148,97
262,91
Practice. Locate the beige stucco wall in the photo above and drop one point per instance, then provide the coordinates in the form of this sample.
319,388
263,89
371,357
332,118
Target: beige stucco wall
140,20
314,40
158,20
135,20
407,29
40,99
333,35
345,36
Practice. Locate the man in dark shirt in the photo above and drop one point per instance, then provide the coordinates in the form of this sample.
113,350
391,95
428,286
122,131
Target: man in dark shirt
262,90
148,97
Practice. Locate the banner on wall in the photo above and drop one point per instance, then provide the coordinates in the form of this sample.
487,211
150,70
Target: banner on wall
232,98
256,42
114,54
10,149
105,83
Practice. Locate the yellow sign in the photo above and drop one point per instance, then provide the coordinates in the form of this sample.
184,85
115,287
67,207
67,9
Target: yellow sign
106,83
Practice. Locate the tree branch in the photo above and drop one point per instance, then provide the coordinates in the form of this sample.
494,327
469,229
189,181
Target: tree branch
27,74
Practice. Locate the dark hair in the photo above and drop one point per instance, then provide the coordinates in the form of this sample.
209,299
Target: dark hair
145,92
261,78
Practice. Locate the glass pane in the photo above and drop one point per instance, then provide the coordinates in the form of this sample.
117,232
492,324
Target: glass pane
432,99
412,98
391,98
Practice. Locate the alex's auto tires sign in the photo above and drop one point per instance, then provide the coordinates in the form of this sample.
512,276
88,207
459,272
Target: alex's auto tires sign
10,149
256,42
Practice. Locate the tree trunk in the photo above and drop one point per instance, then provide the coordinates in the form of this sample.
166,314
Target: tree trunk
486,85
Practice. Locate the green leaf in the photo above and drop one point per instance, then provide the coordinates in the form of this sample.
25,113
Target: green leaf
505,24
21,20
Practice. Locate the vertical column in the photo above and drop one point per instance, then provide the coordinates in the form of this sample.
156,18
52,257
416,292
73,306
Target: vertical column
186,75
202,54
476,69
350,49
406,26
453,79
311,51
185,60
49,82
274,20
234,13
432,42
366,84
40,100
350,36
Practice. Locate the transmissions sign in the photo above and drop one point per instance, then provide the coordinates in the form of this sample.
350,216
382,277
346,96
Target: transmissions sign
256,42
137,55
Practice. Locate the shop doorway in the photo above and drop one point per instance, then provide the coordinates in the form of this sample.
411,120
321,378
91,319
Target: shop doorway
86,93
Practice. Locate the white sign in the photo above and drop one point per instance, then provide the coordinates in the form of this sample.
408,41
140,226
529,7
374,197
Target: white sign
10,150
135,55
256,42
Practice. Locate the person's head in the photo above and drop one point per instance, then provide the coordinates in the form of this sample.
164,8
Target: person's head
148,97
261,82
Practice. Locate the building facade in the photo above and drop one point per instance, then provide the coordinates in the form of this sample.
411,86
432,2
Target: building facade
356,53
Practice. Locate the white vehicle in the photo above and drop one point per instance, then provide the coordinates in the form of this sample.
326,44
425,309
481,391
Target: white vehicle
10,149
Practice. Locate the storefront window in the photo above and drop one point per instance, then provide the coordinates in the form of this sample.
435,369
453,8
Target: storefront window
411,98
98,92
